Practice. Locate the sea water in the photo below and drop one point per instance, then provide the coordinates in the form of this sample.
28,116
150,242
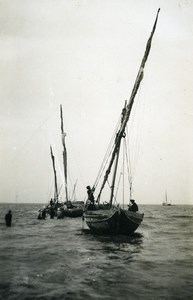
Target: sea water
60,259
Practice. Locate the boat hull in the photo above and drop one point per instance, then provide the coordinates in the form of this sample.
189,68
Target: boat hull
129,221
70,212
113,221
102,221
61,210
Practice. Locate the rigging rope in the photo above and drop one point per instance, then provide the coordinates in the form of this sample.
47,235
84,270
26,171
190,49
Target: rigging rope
107,155
38,128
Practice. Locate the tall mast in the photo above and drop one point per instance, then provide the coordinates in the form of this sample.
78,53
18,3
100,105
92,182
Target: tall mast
129,106
55,177
64,153
114,176
116,161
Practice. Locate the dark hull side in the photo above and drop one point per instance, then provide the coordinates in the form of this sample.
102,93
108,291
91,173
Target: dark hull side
102,223
129,221
113,221
71,212
61,210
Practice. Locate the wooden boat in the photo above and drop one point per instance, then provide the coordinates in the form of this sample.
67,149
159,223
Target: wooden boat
69,208
51,208
109,218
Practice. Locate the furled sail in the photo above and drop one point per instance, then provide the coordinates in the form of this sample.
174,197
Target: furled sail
64,153
121,131
55,177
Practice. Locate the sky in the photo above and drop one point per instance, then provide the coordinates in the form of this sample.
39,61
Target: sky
85,55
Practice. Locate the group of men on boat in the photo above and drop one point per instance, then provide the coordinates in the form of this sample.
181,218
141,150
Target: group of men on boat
90,203
59,210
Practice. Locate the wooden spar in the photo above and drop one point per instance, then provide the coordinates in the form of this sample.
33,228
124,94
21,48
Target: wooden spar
116,162
55,177
129,106
64,153
114,176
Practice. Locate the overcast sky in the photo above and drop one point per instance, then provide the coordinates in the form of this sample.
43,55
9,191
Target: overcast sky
85,54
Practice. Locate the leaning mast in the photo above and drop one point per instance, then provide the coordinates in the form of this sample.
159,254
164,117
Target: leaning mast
55,177
64,153
129,106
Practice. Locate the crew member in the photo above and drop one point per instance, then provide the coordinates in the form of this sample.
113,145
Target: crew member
133,206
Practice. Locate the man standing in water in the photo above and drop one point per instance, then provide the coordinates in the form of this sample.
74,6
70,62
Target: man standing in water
8,218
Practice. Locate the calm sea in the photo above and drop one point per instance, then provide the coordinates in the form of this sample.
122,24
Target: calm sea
56,259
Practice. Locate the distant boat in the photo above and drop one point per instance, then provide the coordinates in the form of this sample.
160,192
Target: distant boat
51,208
68,207
110,218
165,202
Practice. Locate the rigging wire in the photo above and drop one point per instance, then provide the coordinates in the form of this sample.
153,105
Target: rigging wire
132,157
107,155
15,157
119,180
37,129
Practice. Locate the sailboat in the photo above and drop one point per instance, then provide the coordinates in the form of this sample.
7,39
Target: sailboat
51,208
69,208
109,218
54,204
165,202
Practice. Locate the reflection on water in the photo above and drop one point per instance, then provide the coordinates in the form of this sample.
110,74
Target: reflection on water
120,241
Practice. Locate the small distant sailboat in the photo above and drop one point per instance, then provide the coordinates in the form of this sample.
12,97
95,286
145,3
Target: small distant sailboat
165,202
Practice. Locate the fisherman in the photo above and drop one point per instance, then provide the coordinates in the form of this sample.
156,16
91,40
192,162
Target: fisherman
52,212
90,194
133,206
8,218
90,199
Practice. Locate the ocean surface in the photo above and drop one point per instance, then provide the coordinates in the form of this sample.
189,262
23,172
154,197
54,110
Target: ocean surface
60,259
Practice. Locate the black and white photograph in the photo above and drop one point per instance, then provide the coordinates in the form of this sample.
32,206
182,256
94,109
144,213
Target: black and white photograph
96,162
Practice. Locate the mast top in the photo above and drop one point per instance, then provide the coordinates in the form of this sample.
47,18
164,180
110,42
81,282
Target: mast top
128,108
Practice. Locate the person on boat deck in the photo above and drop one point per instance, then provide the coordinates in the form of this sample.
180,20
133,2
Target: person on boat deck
90,194
90,200
69,204
8,218
133,206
